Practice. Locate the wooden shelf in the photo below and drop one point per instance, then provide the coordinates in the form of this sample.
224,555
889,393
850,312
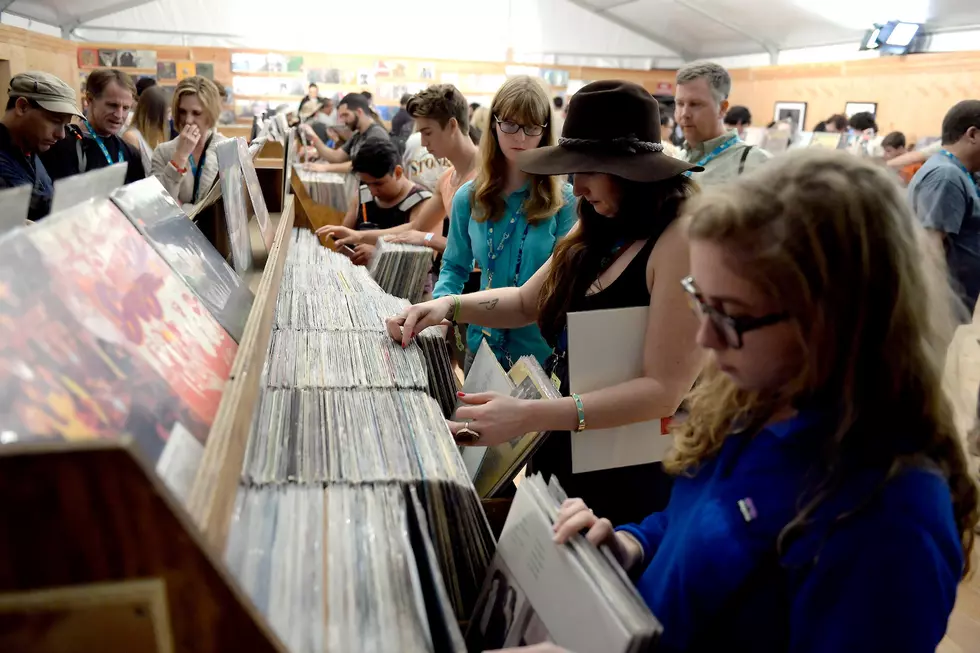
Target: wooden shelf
131,71
259,73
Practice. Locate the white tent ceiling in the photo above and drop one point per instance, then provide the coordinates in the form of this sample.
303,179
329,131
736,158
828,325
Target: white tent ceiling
659,31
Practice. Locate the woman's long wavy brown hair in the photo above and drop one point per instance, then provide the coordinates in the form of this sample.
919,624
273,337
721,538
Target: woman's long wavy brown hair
150,117
521,99
646,210
831,238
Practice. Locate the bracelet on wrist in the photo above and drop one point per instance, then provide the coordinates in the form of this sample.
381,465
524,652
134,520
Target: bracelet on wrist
177,167
581,412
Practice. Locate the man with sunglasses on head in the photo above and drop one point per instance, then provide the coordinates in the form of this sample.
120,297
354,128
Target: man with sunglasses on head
355,113
39,108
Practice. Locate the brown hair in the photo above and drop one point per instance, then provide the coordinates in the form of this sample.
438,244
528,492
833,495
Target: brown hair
100,79
442,103
206,92
150,117
646,210
521,99
832,240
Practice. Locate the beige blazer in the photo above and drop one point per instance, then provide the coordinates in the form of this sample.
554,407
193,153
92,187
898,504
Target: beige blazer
181,186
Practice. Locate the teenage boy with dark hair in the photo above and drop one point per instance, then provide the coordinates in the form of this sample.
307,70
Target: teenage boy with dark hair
39,108
386,197
893,145
441,116
355,113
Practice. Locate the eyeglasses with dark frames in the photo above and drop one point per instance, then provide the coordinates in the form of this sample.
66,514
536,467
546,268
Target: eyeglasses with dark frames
730,328
508,127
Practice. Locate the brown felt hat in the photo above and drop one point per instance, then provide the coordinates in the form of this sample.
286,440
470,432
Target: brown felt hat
612,127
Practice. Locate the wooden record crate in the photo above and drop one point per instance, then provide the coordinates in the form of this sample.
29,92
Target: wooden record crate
97,555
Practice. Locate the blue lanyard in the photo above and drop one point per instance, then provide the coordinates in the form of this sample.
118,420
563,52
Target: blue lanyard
492,255
952,157
715,153
98,139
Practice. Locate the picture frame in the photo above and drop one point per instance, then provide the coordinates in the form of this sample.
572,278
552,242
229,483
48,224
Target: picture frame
850,108
794,111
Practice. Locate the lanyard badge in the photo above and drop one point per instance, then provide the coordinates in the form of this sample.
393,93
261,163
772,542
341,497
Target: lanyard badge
105,150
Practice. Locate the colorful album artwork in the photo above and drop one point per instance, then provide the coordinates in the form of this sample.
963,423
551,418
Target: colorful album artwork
88,58
178,240
236,213
186,69
167,69
99,338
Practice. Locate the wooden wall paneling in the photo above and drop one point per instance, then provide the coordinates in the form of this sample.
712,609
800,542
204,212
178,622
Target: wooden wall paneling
913,92
25,50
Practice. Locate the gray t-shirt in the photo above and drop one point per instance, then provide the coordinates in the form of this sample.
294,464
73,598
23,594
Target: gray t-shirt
945,199
374,131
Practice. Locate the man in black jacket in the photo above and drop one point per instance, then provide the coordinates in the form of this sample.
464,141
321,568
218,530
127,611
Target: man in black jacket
39,108
96,143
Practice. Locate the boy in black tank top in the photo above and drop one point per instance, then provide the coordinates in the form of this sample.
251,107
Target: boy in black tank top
386,198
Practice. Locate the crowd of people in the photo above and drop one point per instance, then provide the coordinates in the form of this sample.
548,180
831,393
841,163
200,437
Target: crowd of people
799,308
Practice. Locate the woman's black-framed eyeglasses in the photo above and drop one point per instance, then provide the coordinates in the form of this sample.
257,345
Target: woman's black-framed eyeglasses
508,127
730,328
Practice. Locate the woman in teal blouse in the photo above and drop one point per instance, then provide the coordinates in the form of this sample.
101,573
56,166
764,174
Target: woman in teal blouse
507,221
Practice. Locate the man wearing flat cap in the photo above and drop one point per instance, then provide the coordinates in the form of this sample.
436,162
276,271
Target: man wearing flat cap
39,108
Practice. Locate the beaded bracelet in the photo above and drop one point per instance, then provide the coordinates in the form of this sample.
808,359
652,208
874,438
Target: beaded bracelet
581,412
459,337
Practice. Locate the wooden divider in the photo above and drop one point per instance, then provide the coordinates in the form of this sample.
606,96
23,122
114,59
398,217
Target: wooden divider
212,496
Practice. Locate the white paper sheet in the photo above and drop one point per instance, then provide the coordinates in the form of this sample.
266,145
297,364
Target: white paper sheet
605,348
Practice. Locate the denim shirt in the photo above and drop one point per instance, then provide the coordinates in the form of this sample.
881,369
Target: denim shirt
467,243
884,579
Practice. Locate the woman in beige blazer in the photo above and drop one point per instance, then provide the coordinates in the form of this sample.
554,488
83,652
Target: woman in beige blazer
187,166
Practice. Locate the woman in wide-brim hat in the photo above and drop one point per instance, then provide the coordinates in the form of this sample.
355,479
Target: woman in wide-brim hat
627,250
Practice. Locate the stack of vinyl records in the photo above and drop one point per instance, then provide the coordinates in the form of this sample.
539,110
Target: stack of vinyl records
328,188
401,269
356,525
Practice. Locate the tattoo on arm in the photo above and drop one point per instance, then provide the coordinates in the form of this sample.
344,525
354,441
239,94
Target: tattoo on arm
490,304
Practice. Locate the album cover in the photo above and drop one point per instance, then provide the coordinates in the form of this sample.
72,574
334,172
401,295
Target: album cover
146,59
206,70
126,59
165,226
98,338
107,58
294,64
186,69
236,213
88,58
266,228
248,62
167,69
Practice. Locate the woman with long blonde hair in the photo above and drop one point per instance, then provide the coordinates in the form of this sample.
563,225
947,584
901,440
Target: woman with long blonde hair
822,499
506,220
149,126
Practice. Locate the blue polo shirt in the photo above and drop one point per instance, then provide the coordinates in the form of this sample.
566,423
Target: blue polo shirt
20,169
882,579
945,199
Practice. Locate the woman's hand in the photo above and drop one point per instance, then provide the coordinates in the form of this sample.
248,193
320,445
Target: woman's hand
574,517
343,235
412,237
415,319
495,418
187,140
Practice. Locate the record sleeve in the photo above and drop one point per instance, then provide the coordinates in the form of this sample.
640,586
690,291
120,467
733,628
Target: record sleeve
99,338
266,228
177,239
236,215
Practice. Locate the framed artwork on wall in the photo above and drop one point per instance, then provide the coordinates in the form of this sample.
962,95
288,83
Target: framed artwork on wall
794,112
860,107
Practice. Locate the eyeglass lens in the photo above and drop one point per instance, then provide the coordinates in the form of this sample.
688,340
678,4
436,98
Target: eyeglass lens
509,127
